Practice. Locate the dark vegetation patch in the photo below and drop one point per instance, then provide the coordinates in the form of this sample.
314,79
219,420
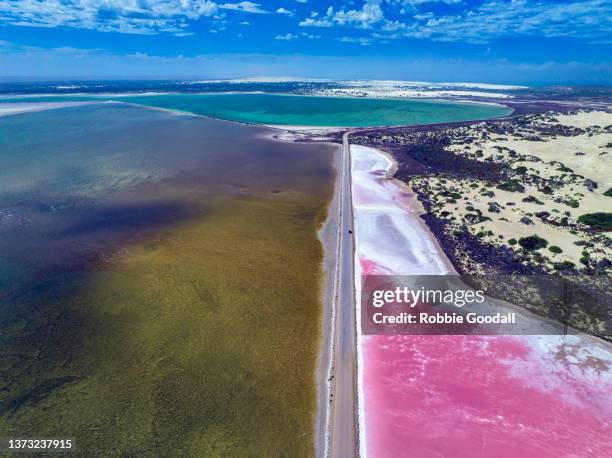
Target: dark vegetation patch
600,221
533,242
511,186
422,152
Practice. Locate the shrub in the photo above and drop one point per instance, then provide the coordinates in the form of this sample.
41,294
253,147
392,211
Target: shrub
555,249
512,242
533,200
608,193
547,190
602,221
571,202
512,186
475,218
533,242
565,265
521,169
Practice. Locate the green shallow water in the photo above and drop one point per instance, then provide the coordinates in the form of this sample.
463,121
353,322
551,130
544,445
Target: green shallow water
309,110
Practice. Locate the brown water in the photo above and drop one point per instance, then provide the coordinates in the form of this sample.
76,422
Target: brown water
159,282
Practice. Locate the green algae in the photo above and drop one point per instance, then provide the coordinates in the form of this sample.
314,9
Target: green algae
200,342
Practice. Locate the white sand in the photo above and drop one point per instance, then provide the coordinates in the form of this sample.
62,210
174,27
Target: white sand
593,161
408,93
309,129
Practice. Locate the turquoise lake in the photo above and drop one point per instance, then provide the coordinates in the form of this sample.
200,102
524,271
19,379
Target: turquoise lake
307,110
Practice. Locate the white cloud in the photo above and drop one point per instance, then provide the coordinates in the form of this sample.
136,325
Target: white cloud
313,22
284,11
247,7
499,18
411,3
369,15
584,19
125,16
286,37
363,41
292,36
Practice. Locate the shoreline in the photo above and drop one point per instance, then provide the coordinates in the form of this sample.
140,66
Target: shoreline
15,108
328,237
492,99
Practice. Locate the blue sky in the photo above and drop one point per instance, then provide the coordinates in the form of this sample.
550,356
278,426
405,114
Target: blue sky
506,41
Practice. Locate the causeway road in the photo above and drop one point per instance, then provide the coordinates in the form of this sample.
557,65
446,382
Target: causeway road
344,430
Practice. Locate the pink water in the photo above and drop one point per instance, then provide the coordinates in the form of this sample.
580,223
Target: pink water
369,267
474,396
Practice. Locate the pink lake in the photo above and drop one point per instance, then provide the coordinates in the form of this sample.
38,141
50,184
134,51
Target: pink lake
474,396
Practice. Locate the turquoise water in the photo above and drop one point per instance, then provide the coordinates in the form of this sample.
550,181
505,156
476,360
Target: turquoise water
309,110
321,111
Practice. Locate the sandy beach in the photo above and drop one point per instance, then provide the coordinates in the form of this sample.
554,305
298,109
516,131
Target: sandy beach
328,235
